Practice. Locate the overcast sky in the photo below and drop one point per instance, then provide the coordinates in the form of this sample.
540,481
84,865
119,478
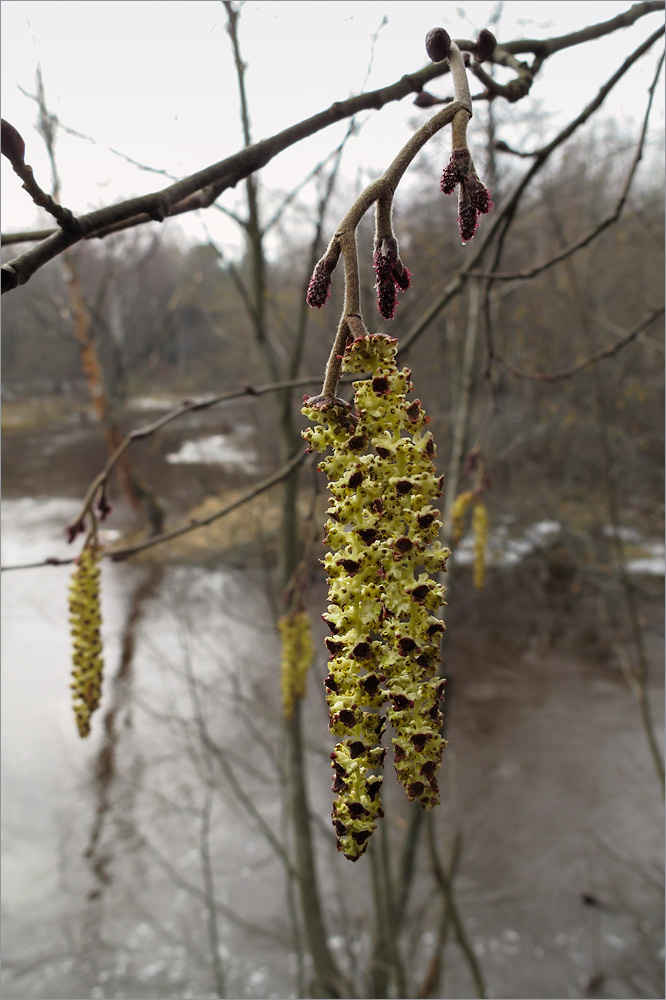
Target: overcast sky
155,80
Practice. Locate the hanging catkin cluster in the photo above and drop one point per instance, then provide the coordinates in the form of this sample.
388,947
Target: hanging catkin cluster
382,533
86,622
297,654
461,505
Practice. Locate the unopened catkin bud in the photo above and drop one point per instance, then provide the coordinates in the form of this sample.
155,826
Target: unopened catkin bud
438,44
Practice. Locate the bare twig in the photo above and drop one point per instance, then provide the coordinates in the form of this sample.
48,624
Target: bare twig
641,671
547,46
201,189
607,352
381,191
613,216
445,885
226,911
501,221
124,551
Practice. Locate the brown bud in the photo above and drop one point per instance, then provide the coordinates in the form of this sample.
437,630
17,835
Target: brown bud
13,145
413,411
486,44
356,443
425,100
74,529
438,44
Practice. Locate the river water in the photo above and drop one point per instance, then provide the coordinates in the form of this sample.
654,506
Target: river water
110,845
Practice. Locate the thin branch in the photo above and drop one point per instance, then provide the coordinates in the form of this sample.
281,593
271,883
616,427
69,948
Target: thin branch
600,227
8,239
98,484
124,551
546,47
203,187
14,151
227,911
380,190
444,883
502,219
602,355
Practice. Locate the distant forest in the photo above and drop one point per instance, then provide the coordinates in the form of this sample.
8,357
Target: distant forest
167,315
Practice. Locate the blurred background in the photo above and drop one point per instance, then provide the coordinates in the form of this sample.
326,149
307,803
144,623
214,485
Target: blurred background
185,849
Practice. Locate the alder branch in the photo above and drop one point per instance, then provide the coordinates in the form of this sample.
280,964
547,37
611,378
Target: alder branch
97,488
381,192
593,359
596,231
121,552
505,55
227,911
501,220
200,189
13,148
542,48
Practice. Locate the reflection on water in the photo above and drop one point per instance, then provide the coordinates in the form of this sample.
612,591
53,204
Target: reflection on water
107,842
101,846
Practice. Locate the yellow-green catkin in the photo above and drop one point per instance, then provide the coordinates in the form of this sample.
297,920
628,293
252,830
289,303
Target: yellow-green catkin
480,529
382,533
458,510
86,622
297,655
